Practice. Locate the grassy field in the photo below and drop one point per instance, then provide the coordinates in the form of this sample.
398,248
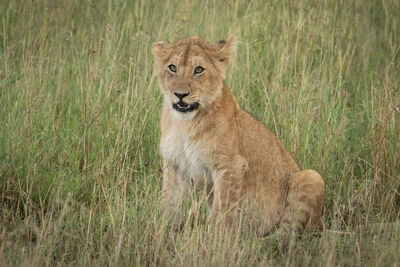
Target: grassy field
80,170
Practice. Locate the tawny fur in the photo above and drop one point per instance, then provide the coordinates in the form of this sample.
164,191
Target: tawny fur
241,163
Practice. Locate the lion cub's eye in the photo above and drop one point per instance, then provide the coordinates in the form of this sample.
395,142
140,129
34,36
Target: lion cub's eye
172,68
198,70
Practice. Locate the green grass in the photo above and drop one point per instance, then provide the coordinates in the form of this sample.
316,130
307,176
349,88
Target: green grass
80,170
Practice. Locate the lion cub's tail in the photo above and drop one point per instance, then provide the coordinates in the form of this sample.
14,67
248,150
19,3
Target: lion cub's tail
304,201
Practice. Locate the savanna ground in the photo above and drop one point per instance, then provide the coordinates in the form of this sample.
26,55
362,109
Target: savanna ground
80,171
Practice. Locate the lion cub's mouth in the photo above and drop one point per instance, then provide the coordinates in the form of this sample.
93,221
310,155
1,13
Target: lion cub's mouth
184,107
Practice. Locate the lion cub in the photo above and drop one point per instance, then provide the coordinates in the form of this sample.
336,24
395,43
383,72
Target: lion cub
206,139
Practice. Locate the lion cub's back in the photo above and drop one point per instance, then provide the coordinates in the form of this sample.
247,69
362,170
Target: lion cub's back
269,161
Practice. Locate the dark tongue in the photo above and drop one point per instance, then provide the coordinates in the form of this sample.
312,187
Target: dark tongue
184,105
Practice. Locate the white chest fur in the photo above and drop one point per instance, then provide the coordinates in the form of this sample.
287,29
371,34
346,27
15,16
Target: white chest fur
180,149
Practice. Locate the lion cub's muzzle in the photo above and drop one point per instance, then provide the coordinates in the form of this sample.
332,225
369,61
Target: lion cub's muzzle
181,106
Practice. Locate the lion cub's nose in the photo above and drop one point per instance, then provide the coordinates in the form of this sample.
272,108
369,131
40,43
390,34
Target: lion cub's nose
181,96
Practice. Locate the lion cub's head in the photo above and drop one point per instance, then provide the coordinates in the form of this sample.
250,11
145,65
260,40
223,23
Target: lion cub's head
192,71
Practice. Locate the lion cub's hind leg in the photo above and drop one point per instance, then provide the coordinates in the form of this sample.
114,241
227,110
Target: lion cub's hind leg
305,197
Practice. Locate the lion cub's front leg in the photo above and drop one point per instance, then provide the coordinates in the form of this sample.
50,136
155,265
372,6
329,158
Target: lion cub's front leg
174,192
228,183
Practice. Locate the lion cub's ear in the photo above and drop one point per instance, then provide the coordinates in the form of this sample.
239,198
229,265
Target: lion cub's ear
227,50
161,49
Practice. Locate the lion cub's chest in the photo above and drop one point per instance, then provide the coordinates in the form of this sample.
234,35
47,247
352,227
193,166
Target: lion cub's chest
183,151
